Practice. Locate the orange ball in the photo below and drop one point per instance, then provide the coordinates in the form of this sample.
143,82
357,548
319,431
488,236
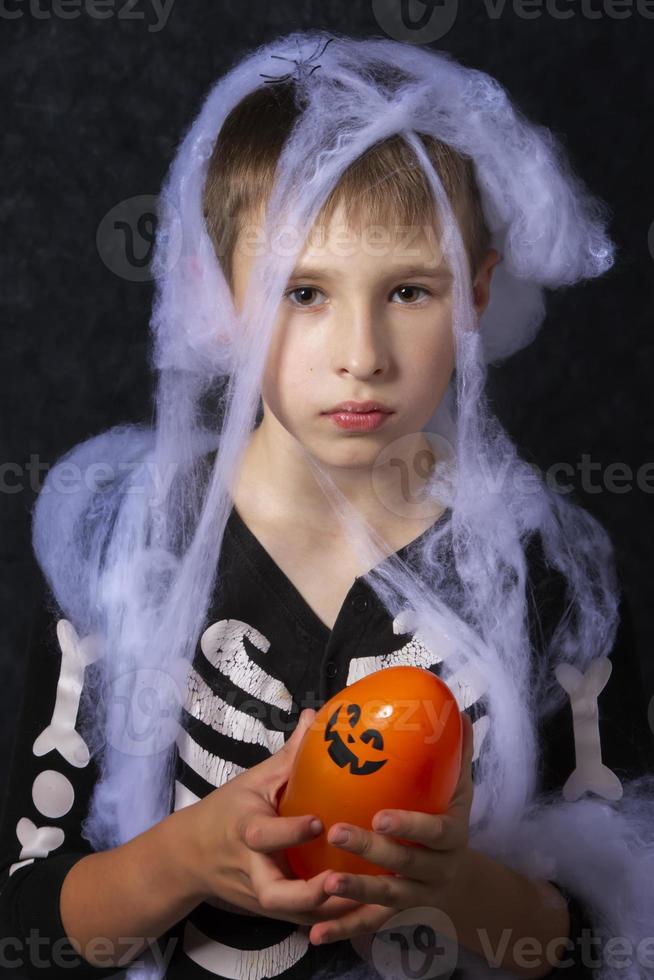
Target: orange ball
391,740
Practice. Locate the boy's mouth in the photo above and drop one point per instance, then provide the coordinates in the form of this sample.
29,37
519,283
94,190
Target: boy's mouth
361,421
352,407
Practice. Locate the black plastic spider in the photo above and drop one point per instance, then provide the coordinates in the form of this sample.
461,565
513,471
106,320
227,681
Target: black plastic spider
300,65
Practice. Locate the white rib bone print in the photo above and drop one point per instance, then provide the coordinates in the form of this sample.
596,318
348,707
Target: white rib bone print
222,644
247,964
226,719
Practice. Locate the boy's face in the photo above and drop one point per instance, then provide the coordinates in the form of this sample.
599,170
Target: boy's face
360,320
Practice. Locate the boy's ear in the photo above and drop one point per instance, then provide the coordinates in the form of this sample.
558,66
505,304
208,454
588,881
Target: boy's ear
482,283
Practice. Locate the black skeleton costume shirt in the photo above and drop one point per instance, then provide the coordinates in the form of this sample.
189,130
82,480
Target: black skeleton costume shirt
262,646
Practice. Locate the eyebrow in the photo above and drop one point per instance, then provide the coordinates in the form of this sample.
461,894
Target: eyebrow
428,271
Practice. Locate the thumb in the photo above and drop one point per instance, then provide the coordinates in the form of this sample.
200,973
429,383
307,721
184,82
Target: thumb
305,721
284,758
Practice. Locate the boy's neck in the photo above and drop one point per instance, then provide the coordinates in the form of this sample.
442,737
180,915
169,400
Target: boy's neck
275,486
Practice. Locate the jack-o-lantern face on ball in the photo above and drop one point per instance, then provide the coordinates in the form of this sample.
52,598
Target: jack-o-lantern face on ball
353,753
391,740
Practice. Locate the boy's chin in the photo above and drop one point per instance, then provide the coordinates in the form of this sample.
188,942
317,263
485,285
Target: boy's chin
349,451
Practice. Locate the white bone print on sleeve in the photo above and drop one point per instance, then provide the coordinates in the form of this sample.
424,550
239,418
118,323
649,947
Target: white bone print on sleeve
590,773
52,792
60,734
37,842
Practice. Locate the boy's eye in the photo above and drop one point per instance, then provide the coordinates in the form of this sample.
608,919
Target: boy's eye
412,289
306,292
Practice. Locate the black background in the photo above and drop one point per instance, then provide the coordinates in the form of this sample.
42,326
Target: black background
93,112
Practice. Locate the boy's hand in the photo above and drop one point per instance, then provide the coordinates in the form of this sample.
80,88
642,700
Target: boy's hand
422,874
231,844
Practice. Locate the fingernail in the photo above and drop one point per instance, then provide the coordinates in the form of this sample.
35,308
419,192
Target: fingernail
340,837
383,824
316,826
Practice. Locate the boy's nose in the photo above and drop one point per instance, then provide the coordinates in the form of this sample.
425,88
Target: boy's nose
363,347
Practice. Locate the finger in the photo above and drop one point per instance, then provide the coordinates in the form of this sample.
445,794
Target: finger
436,832
444,831
410,860
280,859
292,743
391,891
274,771
275,892
265,833
365,919
332,904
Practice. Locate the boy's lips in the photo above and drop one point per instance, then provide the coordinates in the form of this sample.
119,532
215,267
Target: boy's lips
369,406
